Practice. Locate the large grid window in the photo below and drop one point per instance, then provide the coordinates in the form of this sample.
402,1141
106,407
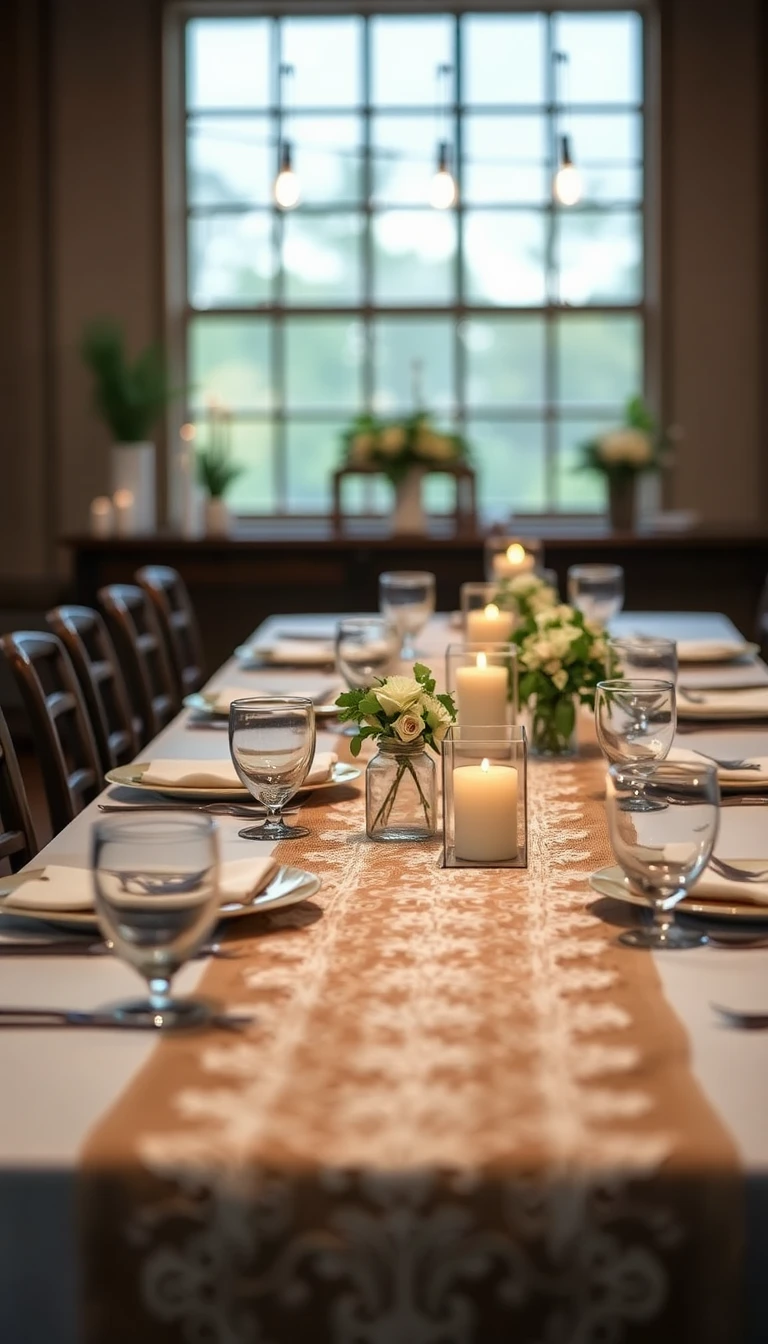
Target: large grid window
526,317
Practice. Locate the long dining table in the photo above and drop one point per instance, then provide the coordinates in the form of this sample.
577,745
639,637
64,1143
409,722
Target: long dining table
462,1114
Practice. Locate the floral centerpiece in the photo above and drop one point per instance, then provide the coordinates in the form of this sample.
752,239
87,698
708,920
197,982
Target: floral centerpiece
403,450
403,715
561,657
527,595
623,454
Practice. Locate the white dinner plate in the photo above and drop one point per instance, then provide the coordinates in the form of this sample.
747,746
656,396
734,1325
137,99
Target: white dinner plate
281,654
612,882
714,651
288,886
727,705
129,776
200,703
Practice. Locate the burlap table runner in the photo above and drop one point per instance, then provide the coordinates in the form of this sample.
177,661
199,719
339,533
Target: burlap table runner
463,1116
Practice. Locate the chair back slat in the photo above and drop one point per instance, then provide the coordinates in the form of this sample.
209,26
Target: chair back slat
175,613
64,741
18,843
85,636
139,644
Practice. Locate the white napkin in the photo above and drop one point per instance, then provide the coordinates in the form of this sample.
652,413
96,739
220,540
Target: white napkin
710,650
289,653
220,700
221,774
712,887
56,887
684,755
729,703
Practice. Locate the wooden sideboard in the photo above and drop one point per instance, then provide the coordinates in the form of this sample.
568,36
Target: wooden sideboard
292,567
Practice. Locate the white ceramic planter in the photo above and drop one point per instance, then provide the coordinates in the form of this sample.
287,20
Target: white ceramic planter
218,519
133,468
409,517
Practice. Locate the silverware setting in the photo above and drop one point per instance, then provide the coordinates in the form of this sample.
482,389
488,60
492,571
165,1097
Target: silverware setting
96,947
749,1021
214,809
730,764
49,1018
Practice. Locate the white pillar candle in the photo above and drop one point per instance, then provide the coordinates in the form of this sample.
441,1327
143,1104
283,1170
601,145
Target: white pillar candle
481,695
489,625
125,511
102,516
515,560
485,812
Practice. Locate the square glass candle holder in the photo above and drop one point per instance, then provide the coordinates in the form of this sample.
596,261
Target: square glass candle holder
505,556
485,799
483,680
484,618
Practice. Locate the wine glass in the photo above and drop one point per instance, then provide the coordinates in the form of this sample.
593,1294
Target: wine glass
366,649
156,886
666,845
635,720
597,591
644,656
407,599
272,743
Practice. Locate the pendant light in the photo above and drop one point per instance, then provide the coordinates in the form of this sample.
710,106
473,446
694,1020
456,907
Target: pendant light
443,191
566,185
286,189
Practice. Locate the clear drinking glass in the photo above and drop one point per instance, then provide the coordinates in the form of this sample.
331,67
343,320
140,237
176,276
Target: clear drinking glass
645,656
597,591
156,884
666,845
272,743
407,599
635,719
367,647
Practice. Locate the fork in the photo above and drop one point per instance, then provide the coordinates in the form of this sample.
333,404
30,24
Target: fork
734,764
728,871
70,947
58,1017
749,1020
214,809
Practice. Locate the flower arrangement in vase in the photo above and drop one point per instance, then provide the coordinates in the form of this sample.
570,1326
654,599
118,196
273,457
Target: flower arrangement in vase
623,454
526,595
403,450
403,715
561,658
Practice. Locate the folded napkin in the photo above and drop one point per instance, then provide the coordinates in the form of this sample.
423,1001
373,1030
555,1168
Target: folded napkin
710,650
711,887
683,755
55,887
288,653
221,774
731,703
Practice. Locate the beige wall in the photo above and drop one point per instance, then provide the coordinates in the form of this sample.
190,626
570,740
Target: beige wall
81,232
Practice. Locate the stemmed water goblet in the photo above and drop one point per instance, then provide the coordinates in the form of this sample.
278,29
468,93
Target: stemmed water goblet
366,648
156,891
664,846
644,656
407,599
635,720
272,743
597,591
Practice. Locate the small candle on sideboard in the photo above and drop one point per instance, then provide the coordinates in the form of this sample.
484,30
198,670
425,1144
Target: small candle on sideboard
124,504
481,698
515,560
102,516
489,626
485,812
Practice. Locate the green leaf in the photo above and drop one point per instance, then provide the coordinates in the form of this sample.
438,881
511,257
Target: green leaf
368,704
447,702
565,715
350,698
355,745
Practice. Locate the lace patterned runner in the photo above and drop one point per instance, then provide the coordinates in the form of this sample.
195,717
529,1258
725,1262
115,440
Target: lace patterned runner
463,1116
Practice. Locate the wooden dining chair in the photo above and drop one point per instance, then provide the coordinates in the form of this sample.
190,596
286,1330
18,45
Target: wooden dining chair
139,646
176,617
84,635
18,843
761,621
61,730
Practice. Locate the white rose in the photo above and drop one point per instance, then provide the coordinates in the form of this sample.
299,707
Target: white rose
545,649
552,667
560,679
397,694
434,447
629,447
391,441
543,599
409,726
436,715
524,584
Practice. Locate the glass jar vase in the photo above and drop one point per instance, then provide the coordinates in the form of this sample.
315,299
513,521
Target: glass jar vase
553,725
400,792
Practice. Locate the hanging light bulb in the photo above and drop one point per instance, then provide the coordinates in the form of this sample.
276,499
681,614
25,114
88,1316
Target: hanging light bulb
443,191
286,188
567,183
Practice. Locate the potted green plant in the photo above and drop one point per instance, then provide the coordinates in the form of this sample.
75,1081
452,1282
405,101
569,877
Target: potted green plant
216,471
130,396
621,455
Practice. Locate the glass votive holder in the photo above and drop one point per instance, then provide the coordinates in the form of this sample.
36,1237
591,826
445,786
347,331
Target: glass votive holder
485,799
483,678
507,556
484,617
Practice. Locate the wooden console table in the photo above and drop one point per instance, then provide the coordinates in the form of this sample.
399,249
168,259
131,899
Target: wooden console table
465,510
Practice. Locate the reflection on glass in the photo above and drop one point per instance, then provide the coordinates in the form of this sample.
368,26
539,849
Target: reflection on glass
326,55
604,56
599,358
231,259
509,455
504,359
503,58
600,255
401,344
229,358
405,53
504,159
413,256
322,258
504,257
228,63
229,160
323,359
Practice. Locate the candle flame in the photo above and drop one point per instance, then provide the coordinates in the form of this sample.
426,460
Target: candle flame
481,660
515,553
491,612
485,764
187,433
123,499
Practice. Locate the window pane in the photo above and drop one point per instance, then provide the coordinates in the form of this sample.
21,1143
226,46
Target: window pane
228,63
604,57
313,452
326,58
607,149
405,54
599,359
323,359
404,151
509,459
327,156
229,358
505,254
504,361
254,491
504,160
322,258
231,259
414,257
504,58
600,256
230,161
413,365
580,490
